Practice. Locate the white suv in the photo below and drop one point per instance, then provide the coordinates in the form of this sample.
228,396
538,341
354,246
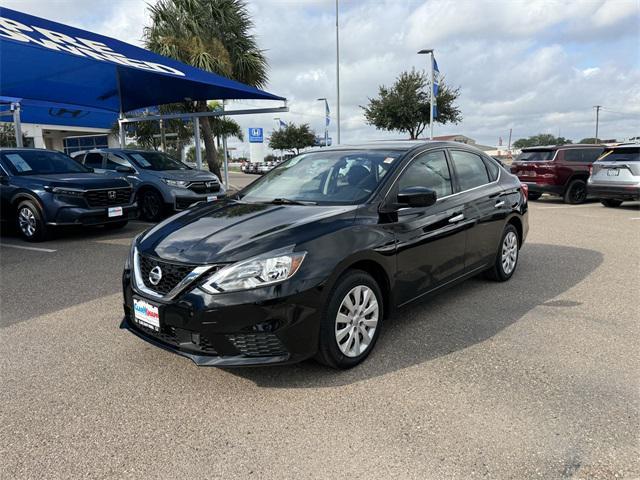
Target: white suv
615,177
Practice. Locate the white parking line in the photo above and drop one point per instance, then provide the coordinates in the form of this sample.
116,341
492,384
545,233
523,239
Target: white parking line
635,218
21,247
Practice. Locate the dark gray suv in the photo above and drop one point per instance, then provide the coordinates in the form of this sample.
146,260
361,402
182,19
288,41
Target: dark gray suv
162,184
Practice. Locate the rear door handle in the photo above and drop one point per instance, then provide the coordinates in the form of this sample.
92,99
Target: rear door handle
499,204
457,218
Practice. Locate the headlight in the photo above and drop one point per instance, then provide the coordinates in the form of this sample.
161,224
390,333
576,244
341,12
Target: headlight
268,269
175,183
70,192
129,260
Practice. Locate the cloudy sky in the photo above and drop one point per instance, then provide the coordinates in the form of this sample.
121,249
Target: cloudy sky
533,66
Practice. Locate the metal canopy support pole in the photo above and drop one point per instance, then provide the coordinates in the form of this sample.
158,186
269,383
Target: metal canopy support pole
196,134
121,132
163,139
17,126
226,158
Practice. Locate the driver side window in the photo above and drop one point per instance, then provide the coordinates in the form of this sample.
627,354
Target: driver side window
428,170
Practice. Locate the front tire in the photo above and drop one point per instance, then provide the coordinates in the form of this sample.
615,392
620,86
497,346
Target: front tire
30,223
508,254
351,322
611,203
576,192
151,206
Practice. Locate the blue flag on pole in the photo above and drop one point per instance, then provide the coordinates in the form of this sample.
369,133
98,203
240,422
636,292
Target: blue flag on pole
327,118
436,86
282,124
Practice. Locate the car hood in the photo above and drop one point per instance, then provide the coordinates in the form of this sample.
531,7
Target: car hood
188,175
229,231
85,181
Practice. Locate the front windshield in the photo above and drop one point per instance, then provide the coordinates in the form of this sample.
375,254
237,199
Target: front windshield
40,162
156,161
332,177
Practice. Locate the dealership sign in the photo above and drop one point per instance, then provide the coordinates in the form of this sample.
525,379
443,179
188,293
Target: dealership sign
256,135
82,47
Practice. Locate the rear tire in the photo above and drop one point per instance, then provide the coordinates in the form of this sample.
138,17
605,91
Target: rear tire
351,322
151,206
534,196
507,257
611,203
30,223
576,192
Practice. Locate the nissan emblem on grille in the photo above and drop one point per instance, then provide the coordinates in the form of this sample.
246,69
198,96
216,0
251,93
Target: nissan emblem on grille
155,275
111,194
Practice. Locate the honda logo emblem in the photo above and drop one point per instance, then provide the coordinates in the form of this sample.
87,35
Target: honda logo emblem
111,194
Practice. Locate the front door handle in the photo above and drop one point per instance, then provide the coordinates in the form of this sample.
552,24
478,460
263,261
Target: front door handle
457,218
499,204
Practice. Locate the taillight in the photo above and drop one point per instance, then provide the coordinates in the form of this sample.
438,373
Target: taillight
590,170
525,191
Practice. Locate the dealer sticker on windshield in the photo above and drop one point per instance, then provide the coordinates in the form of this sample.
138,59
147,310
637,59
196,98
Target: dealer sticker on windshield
146,314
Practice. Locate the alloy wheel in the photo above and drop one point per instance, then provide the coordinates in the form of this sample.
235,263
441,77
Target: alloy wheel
356,321
151,206
27,222
579,193
509,252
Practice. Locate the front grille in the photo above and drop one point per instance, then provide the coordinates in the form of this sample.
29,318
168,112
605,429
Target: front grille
108,197
172,273
180,338
205,187
258,344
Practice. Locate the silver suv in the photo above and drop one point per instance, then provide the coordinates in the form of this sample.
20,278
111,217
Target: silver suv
161,184
615,177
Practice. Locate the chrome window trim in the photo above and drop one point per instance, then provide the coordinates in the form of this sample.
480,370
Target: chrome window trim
139,285
445,150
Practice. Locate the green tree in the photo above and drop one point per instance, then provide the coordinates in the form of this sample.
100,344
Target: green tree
589,140
540,140
214,35
405,106
8,135
293,138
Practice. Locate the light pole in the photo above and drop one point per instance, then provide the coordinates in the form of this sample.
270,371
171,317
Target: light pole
337,76
326,123
597,107
431,94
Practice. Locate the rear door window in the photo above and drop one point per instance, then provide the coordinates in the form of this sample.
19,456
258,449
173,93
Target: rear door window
492,168
627,154
470,169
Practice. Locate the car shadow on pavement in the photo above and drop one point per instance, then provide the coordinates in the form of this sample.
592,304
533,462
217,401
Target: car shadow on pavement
458,318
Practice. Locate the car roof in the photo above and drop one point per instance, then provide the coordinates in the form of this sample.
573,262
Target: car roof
568,145
22,149
399,145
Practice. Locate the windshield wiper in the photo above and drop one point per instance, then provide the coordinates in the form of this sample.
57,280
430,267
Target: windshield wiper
287,201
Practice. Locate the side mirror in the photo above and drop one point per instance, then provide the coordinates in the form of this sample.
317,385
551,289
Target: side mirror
417,197
124,169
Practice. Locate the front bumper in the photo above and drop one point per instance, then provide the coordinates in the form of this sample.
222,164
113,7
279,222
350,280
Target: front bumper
179,198
259,327
75,215
614,192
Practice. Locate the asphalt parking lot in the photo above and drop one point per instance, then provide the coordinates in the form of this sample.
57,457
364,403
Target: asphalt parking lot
535,378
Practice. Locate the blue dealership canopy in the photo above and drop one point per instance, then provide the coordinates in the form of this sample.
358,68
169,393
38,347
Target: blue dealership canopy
48,113
60,67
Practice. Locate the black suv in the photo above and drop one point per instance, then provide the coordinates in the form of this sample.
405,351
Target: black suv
43,188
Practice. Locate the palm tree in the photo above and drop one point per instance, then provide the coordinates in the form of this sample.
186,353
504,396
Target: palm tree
214,35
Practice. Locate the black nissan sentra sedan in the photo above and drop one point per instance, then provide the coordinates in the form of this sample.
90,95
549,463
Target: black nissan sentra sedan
310,259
